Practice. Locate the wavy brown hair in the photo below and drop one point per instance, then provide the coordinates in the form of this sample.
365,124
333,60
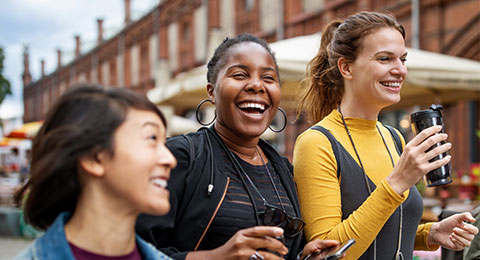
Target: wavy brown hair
324,86
82,123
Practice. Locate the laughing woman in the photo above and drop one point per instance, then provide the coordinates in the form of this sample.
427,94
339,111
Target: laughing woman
230,187
98,161
352,182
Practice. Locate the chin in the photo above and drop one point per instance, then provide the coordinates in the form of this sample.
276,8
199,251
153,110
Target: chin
254,130
159,208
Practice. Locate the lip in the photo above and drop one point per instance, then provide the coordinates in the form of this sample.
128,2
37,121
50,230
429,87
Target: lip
253,116
392,85
257,101
159,181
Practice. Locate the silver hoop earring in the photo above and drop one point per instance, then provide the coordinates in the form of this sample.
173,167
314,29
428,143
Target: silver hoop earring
198,109
284,123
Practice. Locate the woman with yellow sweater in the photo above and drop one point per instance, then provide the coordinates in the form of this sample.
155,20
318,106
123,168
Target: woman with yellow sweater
352,181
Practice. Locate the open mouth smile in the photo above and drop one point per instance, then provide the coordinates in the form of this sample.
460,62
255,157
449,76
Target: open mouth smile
391,84
162,183
252,107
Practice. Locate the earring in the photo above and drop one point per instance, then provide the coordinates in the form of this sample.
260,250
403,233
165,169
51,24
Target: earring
284,123
198,109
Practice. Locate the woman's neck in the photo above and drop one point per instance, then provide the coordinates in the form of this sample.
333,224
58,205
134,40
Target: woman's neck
99,228
351,109
245,148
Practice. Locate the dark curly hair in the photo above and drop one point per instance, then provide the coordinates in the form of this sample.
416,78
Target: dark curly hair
221,54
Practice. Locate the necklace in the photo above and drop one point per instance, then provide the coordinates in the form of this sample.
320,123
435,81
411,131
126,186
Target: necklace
271,181
398,254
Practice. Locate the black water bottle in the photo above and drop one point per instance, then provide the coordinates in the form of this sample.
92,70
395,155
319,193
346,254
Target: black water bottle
424,119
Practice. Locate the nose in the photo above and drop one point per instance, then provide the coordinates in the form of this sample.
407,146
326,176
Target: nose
255,85
399,69
165,157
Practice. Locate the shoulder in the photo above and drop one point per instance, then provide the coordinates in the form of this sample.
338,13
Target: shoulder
182,141
311,138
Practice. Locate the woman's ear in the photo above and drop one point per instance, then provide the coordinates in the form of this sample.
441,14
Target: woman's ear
93,164
344,68
210,92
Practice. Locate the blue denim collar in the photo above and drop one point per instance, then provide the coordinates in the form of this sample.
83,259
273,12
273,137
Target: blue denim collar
53,244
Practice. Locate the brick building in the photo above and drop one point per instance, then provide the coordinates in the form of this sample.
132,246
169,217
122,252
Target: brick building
179,35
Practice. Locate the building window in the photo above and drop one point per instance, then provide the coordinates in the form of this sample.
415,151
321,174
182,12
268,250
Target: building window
248,5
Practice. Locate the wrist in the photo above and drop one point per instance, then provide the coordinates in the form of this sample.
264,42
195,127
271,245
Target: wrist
431,235
396,184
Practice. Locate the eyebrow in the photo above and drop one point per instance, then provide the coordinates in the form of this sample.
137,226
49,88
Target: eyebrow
149,123
390,53
246,67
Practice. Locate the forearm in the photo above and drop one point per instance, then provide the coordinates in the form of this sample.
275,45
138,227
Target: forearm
203,254
321,201
363,224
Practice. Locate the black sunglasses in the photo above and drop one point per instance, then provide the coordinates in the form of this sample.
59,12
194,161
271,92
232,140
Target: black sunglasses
274,216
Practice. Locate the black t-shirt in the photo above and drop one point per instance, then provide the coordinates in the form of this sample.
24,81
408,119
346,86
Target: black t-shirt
236,211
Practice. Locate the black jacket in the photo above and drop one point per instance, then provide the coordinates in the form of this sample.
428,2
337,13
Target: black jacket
193,207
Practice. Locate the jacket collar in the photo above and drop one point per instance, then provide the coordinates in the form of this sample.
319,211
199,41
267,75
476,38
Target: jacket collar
53,244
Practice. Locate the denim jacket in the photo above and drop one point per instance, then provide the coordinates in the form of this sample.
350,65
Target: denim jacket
53,245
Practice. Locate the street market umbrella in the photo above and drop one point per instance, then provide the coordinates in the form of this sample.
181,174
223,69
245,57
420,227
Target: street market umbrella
431,78
6,141
27,131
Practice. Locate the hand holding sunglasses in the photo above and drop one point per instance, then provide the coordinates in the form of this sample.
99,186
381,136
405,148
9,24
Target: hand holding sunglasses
274,216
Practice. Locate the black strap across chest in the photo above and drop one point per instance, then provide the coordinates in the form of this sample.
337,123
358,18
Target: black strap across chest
353,196
336,151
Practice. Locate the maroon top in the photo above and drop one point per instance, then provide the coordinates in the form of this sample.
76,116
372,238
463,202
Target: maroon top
81,254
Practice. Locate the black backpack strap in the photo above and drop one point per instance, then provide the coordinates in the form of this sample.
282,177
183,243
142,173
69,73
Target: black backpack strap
396,139
333,142
191,152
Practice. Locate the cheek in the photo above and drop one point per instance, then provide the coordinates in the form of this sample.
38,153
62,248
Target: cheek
275,95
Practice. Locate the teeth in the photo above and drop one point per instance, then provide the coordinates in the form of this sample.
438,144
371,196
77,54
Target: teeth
160,182
252,105
391,84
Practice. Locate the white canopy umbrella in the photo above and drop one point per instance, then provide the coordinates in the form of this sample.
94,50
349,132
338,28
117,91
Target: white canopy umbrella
432,77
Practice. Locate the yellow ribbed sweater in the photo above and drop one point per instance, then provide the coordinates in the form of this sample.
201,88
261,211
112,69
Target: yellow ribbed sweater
315,172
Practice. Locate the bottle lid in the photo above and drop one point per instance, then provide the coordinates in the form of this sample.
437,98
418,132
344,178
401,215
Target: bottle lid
433,111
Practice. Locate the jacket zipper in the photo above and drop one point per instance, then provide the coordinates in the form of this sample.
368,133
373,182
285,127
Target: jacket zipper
214,214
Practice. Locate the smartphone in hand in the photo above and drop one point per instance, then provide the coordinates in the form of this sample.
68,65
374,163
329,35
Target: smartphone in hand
336,251
342,248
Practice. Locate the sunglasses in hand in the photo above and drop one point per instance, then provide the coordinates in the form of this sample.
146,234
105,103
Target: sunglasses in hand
274,216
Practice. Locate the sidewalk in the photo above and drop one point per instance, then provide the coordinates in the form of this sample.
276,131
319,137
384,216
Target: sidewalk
11,246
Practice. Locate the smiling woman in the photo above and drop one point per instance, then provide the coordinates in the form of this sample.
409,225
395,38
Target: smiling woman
353,179
98,161
232,194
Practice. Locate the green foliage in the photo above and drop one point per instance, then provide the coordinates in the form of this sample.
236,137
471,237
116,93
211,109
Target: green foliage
4,83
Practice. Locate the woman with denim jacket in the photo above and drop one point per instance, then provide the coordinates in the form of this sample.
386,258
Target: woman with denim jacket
98,161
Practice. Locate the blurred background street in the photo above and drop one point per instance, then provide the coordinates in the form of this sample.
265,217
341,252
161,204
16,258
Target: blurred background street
11,246
159,48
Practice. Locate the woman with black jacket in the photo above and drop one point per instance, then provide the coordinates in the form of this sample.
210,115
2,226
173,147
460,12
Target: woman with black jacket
232,195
